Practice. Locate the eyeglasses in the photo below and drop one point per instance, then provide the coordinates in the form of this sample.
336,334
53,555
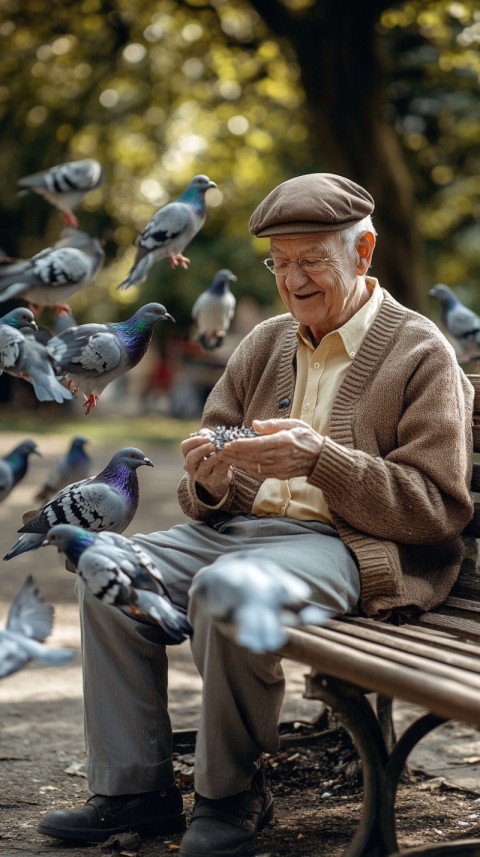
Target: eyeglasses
310,266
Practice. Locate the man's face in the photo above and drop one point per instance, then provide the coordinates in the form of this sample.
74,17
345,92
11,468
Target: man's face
326,299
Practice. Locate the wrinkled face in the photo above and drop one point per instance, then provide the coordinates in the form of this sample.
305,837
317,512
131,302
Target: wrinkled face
325,299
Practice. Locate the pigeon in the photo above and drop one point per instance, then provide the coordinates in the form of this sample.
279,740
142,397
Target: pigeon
19,318
214,309
107,501
461,323
258,599
118,572
169,231
22,356
64,185
75,465
14,466
54,274
93,355
29,622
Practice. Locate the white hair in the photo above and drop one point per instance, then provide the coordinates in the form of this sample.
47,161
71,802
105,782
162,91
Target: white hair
351,235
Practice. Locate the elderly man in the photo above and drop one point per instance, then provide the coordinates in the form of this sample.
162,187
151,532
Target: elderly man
358,403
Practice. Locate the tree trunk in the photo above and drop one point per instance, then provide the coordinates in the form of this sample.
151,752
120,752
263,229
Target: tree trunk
335,47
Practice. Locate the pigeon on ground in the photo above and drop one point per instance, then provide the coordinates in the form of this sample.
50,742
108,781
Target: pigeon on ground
169,231
214,309
14,466
257,599
23,356
19,318
54,274
75,465
64,185
118,572
107,501
460,323
29,622
93,355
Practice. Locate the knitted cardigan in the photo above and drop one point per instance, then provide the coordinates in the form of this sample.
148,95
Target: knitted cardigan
396,465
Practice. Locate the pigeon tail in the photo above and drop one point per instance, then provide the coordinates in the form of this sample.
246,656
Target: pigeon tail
48,389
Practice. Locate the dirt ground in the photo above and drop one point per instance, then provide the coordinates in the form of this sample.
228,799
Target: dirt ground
317,786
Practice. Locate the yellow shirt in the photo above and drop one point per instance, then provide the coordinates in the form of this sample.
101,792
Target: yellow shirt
320,372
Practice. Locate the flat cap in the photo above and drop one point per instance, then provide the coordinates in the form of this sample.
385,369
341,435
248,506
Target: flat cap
316,202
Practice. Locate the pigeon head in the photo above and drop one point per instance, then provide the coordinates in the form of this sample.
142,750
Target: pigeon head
200,183
221,280
26,448
20,317
64,536
131,458
151,313
79,441
444,294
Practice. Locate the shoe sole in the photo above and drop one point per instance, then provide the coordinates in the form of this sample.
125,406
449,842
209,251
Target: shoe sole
245,850
176,824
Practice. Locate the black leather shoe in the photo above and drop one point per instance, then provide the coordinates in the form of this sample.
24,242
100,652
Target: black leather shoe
102,816
228,827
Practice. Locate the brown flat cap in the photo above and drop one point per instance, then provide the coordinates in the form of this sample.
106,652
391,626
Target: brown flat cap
317,202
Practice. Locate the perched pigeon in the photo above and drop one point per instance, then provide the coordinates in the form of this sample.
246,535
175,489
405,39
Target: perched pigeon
460,323
14,466
93,355
118,572
22,356
213,310
170,230
257,599
107,501
54,274
29,623
75,465
19,318
65,185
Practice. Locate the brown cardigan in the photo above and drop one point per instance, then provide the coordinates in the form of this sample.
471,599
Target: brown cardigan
396,466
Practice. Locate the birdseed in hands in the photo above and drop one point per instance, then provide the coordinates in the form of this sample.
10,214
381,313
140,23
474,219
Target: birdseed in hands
221,435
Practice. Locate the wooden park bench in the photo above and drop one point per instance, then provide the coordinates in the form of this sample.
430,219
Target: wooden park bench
430,659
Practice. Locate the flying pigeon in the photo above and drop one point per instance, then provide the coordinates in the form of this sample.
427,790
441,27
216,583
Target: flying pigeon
258,599
54,274
214,309
22,356
169,231
75,465
14,466
19,318
461,323
107,501
93,355
29,622
64,185
118,572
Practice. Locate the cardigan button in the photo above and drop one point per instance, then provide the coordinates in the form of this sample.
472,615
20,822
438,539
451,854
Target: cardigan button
283,404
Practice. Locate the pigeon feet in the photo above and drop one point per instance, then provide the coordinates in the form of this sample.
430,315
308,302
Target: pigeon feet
89,403
177,259
62,309
69,219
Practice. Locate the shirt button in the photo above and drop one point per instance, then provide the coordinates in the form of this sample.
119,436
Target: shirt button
316,365
352,353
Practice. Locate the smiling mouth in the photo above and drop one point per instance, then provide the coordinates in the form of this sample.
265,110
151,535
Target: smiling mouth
304,297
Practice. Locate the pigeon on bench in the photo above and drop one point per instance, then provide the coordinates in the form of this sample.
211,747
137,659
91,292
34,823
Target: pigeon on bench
461,324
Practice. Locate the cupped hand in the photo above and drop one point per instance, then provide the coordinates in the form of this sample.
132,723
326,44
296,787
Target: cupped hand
202,463
285,449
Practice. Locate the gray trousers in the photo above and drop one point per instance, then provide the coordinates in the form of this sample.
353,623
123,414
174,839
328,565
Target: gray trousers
127,726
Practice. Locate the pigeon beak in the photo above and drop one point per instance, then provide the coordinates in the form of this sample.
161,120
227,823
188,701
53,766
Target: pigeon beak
45,542
168,317
148,462
211,184
37,452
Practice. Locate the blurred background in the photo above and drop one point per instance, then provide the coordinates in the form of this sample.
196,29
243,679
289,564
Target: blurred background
250,92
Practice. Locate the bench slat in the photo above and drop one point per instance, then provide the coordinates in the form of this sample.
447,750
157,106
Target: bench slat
468,627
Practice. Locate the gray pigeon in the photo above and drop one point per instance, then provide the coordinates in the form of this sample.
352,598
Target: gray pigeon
29,622
257,599
22,356
19,318
14,466
54,274
169,231
93,355
461,324
75,465
118,572
64,185
107,501
214,309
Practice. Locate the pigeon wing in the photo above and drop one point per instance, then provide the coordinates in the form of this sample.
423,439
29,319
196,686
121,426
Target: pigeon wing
29,615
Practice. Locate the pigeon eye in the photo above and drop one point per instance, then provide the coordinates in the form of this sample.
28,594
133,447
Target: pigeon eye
133,455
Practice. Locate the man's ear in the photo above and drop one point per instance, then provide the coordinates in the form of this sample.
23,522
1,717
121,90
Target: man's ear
365,248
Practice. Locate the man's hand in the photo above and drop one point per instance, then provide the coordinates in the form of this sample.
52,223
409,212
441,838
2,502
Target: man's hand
202,463
286,448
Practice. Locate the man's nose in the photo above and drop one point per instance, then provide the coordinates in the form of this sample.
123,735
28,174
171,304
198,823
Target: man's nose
295,276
